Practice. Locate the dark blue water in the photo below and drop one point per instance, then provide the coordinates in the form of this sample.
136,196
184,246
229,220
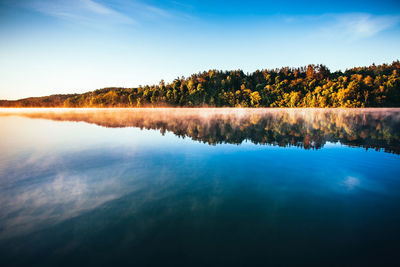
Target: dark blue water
199,187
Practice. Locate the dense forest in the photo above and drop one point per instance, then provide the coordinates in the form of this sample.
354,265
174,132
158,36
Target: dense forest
311,86
375,128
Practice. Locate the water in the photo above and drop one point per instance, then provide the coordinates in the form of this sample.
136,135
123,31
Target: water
185,187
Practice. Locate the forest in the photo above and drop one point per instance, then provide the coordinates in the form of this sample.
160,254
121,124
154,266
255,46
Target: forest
311,86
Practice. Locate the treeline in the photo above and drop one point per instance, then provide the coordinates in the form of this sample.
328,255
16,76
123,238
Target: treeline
311,86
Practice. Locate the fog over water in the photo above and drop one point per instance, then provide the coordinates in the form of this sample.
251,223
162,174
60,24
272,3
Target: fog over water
199,186
309,128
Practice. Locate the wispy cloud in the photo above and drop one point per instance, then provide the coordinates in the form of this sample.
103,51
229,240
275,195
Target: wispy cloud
357,26
86,11
97,12
345,27
144,11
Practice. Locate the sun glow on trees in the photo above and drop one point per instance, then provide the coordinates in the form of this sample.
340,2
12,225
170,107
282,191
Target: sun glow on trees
311,86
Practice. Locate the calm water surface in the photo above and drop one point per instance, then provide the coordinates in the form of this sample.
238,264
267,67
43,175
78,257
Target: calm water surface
183,187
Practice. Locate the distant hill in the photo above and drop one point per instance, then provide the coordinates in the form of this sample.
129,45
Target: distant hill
311,86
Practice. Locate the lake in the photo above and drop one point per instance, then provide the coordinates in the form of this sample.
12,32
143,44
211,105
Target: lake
184,187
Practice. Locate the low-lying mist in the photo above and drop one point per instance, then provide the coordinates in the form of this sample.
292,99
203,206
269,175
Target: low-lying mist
307,128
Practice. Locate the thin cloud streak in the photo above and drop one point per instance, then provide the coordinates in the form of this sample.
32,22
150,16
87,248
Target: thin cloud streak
354,27
345,27
143,11
359,26
80,11
96,12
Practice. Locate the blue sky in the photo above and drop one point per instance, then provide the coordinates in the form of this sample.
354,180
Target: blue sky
57,46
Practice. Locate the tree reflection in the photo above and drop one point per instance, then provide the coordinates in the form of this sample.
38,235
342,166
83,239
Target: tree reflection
307,128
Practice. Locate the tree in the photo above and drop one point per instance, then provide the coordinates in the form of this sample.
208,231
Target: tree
255,99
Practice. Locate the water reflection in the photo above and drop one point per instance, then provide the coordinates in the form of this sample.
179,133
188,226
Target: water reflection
307,128
73,193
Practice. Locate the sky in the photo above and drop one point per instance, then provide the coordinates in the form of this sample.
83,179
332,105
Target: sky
58,46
